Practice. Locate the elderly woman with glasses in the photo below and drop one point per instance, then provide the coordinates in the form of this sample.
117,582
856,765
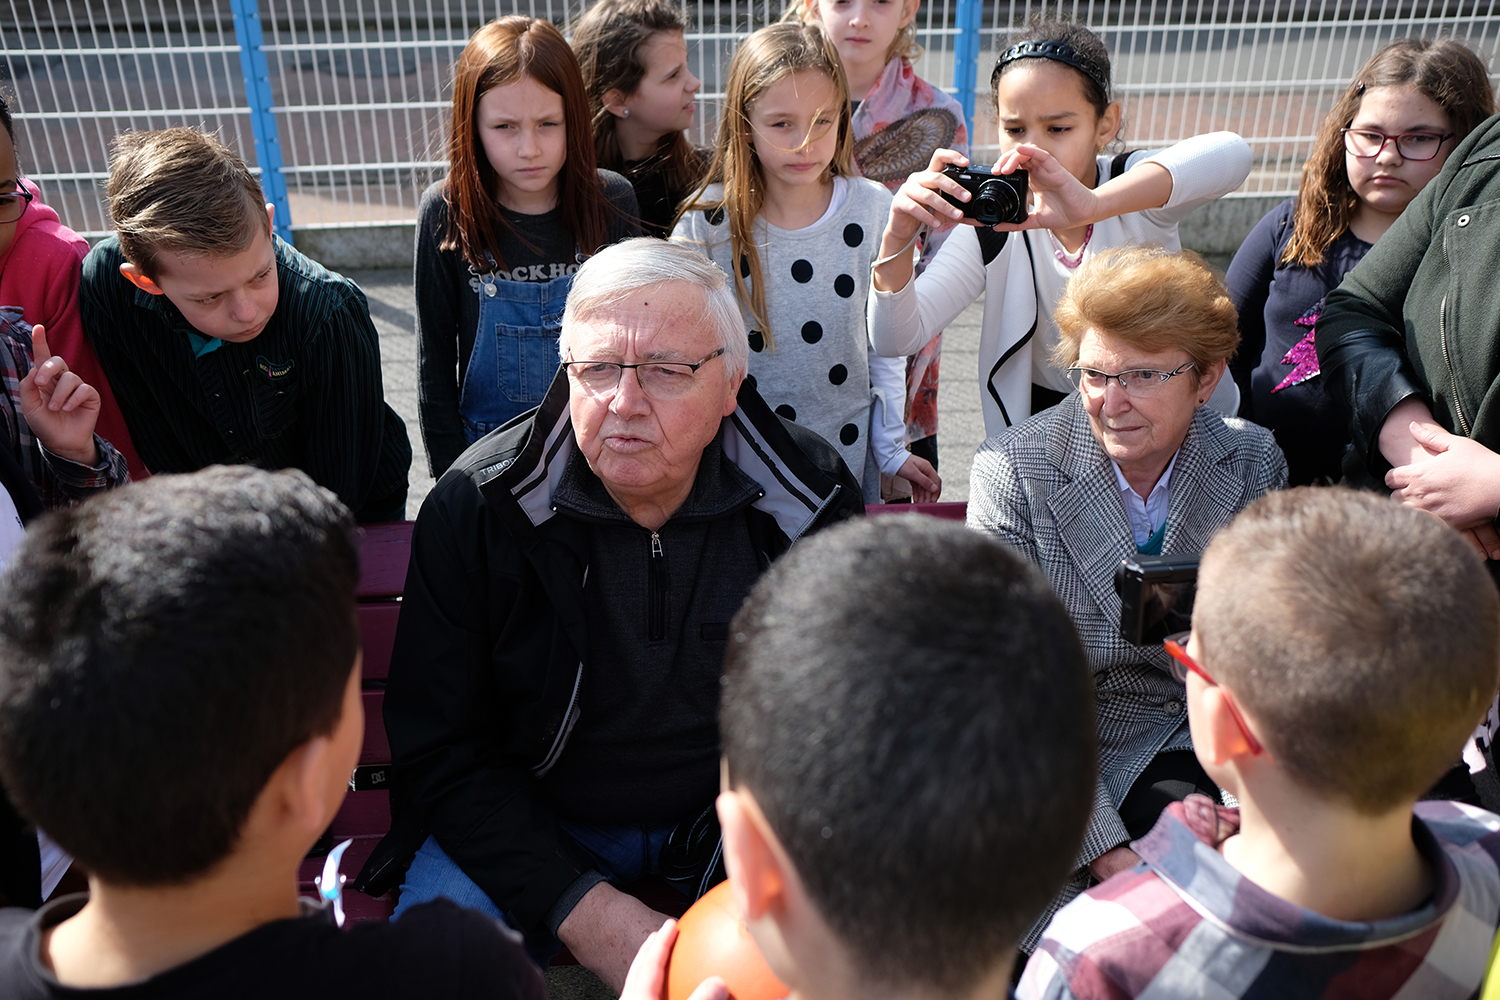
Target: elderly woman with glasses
1133,462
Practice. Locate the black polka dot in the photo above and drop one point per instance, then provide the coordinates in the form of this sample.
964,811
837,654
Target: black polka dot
848,434
789,413
802,271
844,285
757,342
838,374
744,265
715,216
853,234
812,331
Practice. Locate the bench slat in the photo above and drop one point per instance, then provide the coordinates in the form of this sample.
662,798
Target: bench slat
384,551
376,749
377,634
947,510
363,814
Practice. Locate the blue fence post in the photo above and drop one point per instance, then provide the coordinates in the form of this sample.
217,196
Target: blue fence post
966,57
262,122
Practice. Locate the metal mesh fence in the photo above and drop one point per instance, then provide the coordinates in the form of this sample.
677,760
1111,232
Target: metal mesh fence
1268,70
77,73
360,88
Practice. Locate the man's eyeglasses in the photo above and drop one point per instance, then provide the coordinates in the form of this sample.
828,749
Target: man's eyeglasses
1367,142
1182,664
657,379
13,204
1137,382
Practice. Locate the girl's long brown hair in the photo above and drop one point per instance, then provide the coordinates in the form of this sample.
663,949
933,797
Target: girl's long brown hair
609,42
767,57
502,52
1444,71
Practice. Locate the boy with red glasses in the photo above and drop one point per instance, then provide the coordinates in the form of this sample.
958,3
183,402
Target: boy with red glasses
1344,647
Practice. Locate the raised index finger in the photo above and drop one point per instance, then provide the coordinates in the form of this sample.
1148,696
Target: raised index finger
39,350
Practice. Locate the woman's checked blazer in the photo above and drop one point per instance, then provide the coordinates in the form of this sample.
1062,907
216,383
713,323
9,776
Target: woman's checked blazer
1047,488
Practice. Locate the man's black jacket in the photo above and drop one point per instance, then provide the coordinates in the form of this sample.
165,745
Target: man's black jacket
491,648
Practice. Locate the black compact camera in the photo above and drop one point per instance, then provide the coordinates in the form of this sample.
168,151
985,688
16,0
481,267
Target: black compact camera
995,197
1156,596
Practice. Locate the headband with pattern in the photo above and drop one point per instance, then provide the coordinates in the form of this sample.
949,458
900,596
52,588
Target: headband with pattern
1058,52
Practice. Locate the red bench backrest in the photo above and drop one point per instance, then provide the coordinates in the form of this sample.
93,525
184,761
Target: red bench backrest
365,815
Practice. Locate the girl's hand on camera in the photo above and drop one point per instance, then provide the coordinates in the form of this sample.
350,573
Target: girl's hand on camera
920,202
1059,200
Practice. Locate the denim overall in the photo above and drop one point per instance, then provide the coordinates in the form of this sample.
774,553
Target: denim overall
515,350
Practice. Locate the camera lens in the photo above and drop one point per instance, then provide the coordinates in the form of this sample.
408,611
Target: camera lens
995,201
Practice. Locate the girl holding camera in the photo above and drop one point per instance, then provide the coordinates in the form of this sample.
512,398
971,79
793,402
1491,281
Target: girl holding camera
1052,102
787,219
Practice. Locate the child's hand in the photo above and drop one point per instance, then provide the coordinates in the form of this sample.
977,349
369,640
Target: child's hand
925,483
1060,200
60,408
920,202
1117,859
647,979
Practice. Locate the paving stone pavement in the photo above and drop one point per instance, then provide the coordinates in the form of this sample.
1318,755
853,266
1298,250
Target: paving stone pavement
393,308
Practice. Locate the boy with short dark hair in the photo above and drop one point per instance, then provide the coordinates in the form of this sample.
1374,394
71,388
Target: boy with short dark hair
1344,647
225,345
902,792
180,710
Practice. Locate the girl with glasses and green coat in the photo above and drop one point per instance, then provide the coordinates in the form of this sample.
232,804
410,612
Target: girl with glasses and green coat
1390,133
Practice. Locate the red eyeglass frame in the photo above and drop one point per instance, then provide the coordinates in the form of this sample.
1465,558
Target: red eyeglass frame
1174,648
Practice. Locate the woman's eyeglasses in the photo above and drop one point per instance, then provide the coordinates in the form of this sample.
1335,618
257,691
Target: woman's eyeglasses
1367,142
1136,382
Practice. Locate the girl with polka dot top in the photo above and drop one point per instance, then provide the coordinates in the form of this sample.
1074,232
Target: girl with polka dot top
786,217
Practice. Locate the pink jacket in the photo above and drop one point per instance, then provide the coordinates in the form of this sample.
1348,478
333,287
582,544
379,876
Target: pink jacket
40,274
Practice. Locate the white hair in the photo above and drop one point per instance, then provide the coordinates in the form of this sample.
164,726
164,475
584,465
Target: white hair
617,271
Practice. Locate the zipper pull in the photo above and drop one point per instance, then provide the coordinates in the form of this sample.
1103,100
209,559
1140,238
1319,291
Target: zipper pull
656,603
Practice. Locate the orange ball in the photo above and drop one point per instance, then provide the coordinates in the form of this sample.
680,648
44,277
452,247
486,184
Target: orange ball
712,941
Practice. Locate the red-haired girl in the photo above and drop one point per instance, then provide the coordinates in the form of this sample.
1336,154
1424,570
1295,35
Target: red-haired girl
499,239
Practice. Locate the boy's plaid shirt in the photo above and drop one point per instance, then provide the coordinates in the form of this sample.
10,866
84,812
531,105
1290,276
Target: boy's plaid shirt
1183,923
59,480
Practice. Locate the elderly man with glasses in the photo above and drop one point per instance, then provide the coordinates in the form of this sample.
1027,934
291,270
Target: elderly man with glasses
553,696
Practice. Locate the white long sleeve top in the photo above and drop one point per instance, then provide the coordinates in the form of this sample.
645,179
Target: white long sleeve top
1024,281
